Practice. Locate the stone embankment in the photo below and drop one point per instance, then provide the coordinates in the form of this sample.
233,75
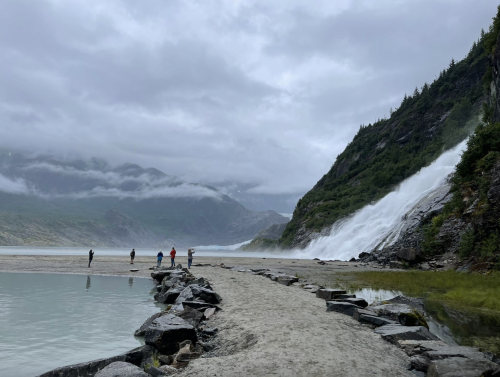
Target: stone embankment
172,337
401,322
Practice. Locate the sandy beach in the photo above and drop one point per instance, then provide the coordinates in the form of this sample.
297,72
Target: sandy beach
265,329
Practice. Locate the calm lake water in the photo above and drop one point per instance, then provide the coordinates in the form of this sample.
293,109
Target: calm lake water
50,320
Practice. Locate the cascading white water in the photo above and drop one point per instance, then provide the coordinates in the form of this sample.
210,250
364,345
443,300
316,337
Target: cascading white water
373,224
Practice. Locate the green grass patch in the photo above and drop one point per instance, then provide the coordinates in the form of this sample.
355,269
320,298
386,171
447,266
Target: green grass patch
459,290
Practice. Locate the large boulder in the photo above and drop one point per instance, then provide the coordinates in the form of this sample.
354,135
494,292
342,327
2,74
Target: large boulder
341,307
395,333
160,275
356,301
409,255
463,367
170,295
328,294
192,316
166,331
121,369
137,356
403,313
358,312
192,292
142,330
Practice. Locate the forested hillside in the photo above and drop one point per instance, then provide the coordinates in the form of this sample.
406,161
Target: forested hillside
429,121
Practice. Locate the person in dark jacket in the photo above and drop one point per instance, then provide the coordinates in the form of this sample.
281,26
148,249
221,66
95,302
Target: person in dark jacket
132,256
160,257
91,256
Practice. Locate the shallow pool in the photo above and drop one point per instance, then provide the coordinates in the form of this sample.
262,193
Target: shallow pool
51,320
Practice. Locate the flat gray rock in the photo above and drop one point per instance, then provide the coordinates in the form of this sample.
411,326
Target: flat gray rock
287,280
121,369
374,320
420,363
395,333
327,294
462,367
356,301
357,313
341,307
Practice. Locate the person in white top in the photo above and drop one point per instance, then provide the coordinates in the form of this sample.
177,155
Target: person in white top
190,257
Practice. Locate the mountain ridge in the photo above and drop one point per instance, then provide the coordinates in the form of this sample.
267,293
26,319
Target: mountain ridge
100,205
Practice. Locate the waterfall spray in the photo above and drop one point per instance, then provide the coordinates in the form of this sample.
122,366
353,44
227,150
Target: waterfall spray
374,224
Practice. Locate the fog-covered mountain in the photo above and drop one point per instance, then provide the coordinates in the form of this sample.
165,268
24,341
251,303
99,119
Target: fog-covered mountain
50,201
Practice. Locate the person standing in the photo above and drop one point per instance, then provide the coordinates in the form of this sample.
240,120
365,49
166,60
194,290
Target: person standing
91,256
132,256
172,257
160,257
190,257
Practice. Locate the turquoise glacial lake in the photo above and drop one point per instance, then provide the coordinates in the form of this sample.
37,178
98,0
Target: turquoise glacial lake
50,320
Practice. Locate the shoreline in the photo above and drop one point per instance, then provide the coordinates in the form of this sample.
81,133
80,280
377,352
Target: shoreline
264,328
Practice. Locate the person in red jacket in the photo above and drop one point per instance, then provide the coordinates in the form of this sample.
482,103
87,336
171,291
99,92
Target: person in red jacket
172,256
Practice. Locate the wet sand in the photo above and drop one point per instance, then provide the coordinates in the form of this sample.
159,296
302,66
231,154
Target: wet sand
265,329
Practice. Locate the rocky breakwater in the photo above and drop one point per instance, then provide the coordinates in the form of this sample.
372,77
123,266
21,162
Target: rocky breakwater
401,322
173,337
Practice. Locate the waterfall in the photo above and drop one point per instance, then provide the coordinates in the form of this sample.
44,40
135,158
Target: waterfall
380,223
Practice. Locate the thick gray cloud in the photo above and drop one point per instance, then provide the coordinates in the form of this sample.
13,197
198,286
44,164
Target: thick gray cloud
260,94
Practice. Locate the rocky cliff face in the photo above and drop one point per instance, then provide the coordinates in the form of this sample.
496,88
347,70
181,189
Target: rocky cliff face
383,154
266,238
465,230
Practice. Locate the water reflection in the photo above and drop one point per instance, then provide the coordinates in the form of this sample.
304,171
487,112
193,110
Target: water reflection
130,282
455,327
62,320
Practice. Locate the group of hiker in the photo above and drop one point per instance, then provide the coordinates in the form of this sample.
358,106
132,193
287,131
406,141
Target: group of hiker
173,252
159,257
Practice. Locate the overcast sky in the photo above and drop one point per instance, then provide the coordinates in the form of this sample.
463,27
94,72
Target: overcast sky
265,93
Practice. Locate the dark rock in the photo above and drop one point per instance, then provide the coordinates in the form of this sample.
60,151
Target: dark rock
363,255
352,260
356,301
341,307
403,313
287,280
121,369
191,316
409,255
358,312
200,305
394,333
193,292
311,288
327,294
377,321
420,363
316,259
209,332
165,359
462,367
90,368
166,331
159,287
160,275
340,297
170,295
142,330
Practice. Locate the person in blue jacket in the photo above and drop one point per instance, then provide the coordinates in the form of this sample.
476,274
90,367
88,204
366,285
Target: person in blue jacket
160,257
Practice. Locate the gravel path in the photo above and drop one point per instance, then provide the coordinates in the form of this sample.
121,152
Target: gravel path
265,329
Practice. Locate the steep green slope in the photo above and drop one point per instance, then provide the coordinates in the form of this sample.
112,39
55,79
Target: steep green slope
384,153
